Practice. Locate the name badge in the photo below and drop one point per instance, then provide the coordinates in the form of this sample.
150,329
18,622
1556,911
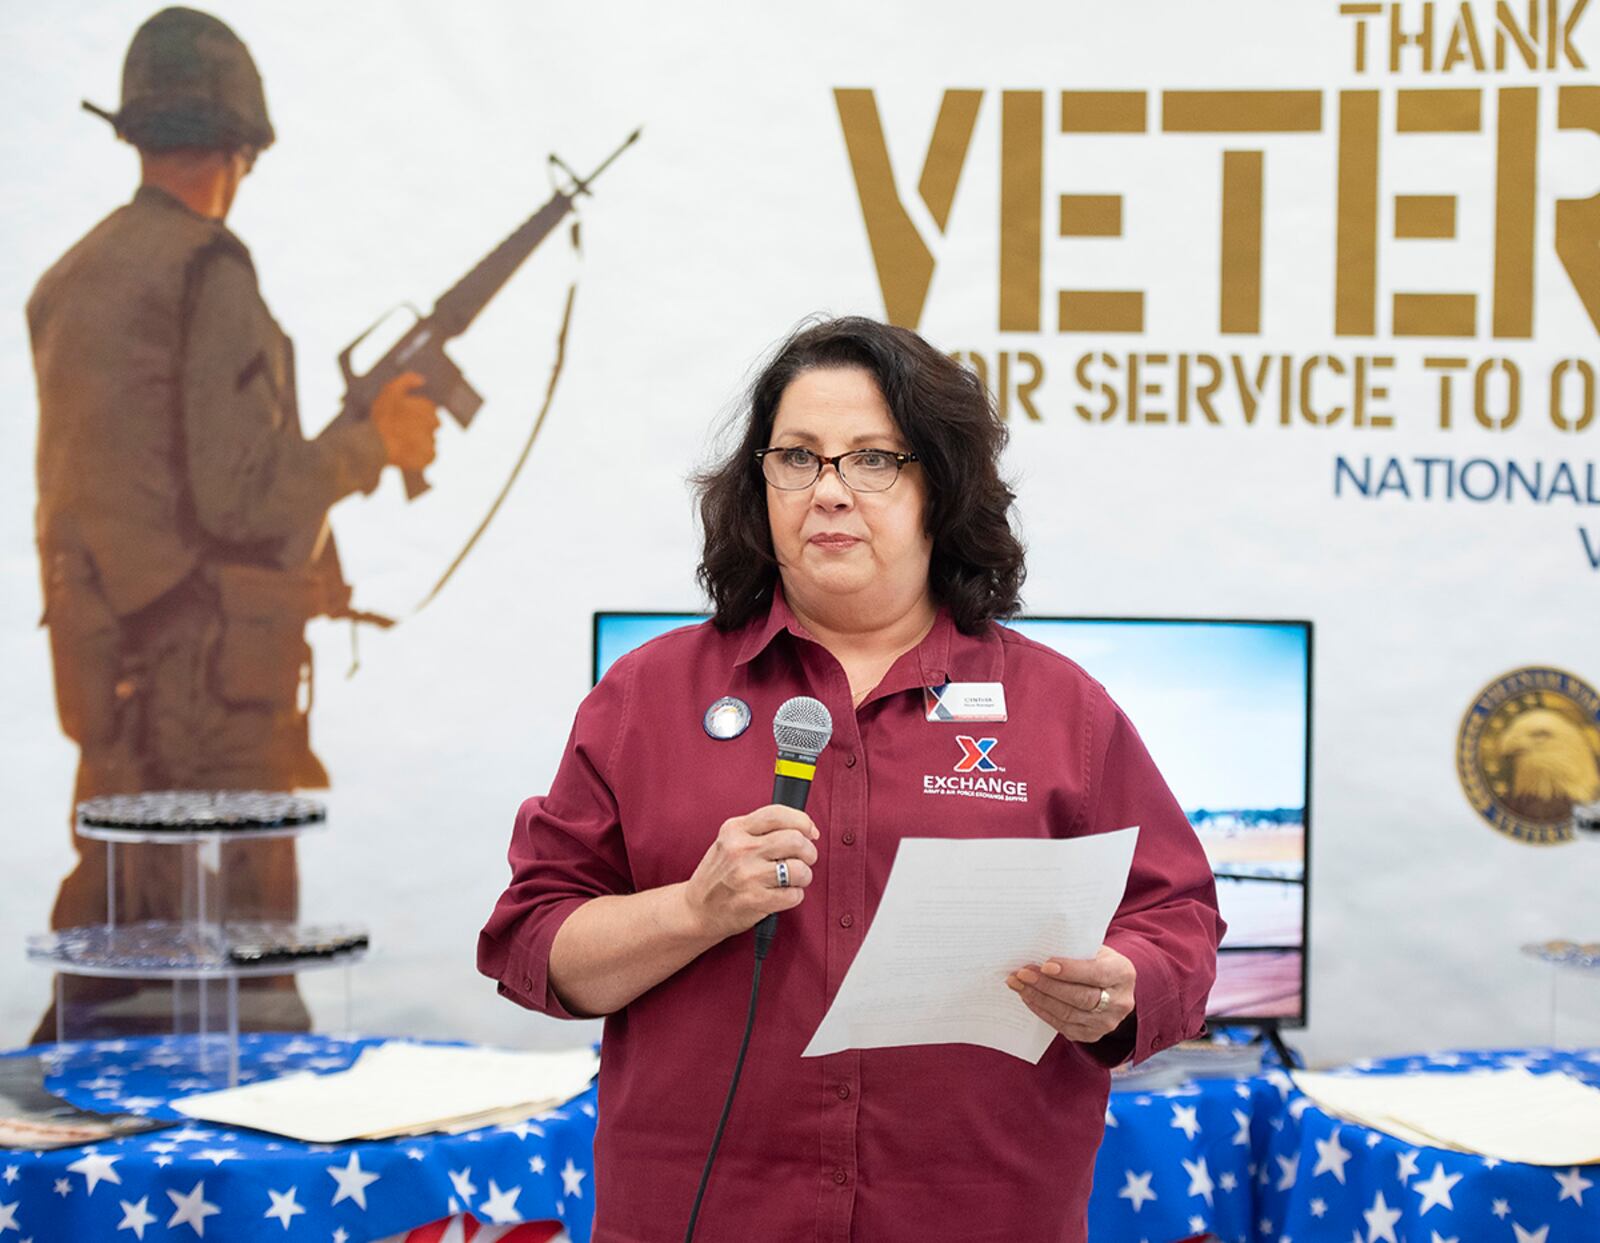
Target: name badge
965,701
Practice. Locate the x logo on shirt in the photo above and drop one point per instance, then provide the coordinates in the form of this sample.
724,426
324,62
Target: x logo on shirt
975,755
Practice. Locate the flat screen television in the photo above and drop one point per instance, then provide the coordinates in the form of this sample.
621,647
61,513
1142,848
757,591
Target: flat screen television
1224,706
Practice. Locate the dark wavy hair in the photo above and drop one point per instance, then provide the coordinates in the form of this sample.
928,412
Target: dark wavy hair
948,419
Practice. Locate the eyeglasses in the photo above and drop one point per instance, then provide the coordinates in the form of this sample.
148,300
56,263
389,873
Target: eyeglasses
861,470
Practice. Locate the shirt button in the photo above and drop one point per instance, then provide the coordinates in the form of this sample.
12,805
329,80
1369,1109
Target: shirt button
844,1091
849,838
850,759
846,920
839,1176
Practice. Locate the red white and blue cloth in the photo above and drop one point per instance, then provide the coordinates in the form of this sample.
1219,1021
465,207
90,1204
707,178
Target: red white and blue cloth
1324,1179
199,1181
1248,1161
1254,1160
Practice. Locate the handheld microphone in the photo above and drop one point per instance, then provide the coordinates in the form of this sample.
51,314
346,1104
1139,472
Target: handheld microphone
801,727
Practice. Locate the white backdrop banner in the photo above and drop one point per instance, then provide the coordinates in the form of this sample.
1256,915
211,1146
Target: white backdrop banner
1292,310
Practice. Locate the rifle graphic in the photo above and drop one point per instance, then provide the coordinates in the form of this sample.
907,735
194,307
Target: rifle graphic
421,349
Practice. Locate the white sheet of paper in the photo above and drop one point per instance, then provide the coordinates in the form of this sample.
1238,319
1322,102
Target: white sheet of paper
398,1087
957,917
1550,1119
1375,1101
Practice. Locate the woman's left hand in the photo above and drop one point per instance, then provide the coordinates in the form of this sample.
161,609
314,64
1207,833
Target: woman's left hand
1067,993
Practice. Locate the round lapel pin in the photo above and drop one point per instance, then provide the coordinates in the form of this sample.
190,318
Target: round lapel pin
727,718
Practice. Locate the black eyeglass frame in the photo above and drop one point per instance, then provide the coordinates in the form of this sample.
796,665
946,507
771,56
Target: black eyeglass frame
900,462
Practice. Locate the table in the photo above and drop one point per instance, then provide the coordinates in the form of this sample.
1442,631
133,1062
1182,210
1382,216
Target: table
1184,1161
1327,1179
1246,1159
198,1181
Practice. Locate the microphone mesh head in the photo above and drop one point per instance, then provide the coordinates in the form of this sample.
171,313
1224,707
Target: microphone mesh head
802,725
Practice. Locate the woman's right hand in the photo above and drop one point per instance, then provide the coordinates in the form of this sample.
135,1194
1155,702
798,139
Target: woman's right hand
735,884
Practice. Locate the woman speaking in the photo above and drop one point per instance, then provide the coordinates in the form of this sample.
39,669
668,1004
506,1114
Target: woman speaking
858,549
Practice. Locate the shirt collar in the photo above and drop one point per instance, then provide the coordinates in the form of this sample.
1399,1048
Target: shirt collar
155,196
758,636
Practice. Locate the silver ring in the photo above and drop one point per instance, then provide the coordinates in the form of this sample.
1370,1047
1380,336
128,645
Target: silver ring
783,874
1105,1000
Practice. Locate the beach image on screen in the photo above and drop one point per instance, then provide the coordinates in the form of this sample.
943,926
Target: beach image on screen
1224,709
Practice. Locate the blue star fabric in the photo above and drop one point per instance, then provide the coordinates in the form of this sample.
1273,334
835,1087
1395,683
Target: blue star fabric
1182,1162
1354,1183
200,1181
1248,1161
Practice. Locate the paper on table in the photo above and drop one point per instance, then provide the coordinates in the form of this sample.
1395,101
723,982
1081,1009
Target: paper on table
1370,1100
955,919
1550,1119
398,1088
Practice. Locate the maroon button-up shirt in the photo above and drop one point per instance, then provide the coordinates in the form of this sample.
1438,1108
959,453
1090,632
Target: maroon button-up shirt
942,1141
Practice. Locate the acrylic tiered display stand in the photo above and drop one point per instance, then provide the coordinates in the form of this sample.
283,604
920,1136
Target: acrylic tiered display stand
203,953
1574,995
1574,1011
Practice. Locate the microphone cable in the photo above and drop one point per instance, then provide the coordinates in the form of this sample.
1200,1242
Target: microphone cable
763,944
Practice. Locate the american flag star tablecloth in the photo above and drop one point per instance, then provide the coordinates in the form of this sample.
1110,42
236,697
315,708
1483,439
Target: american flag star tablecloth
1248,1161
205,1182
1182,1162
1327,1179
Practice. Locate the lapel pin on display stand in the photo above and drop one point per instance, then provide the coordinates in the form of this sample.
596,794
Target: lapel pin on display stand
727,718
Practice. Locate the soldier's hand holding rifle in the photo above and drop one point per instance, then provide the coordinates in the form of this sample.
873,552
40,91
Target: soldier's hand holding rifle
406,421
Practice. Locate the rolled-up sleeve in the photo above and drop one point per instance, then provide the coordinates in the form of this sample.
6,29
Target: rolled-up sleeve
1167,925
566,848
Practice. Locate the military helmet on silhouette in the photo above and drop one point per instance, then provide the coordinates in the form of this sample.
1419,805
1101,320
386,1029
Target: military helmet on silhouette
189,81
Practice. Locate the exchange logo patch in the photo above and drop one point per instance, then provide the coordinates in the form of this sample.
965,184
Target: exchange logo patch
975,755
976,775
1528,754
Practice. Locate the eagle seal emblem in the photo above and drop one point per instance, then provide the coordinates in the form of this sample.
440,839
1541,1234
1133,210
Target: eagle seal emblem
1528,754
